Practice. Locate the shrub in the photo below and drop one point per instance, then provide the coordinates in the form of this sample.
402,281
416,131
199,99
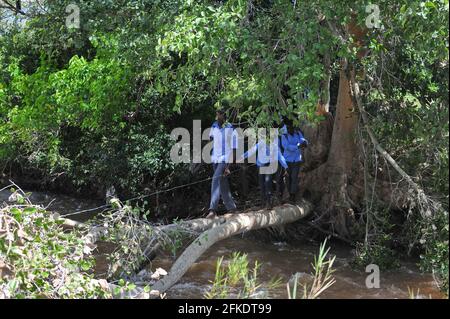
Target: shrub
38,259
237,280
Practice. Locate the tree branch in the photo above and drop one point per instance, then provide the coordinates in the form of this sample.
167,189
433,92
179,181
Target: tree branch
16,8
426,204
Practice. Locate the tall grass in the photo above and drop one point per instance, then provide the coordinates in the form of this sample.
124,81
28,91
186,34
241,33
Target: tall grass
238,280
322,277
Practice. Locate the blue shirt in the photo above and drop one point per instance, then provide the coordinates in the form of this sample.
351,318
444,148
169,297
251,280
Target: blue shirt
224,141
266,154
291,146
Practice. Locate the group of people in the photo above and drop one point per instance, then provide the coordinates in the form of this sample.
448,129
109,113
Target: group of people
285,151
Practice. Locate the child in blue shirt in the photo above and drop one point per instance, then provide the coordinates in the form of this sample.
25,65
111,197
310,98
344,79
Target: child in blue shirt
293,141
267,159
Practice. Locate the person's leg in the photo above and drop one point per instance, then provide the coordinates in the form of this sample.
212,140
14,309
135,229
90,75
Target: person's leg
268,189
293,177
288,179
280,182
262,187
225,192
215,188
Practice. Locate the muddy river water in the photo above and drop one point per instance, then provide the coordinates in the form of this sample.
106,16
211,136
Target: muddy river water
277,259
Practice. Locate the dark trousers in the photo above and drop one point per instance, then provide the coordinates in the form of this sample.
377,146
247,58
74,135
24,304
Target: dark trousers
265,185
280,180
292,180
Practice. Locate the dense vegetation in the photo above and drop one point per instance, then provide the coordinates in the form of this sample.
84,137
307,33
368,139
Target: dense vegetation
40,260
85,108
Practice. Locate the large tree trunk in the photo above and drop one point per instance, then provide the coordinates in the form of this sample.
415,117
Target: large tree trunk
331,174
339,183
341,166
336,182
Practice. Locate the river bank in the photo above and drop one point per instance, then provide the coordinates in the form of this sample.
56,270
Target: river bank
277,259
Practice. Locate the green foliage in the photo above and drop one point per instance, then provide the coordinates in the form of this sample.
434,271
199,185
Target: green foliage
173,241
413,94
40,260
86,96
129,233
237,279
435,236
322,276
220,46
148,156
93,106
152,59
378,253
378,247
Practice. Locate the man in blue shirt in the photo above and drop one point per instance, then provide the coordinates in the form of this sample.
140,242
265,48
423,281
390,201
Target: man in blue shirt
224,145
293,142
268,154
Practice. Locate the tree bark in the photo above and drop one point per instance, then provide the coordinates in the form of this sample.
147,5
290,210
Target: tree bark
336,182
341,158
323,106
235,224
194,226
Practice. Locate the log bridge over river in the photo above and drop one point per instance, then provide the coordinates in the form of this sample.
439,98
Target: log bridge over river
210,232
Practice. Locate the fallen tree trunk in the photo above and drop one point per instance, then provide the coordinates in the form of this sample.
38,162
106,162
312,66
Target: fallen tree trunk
211,231
92,236
161,236
190,227
235,224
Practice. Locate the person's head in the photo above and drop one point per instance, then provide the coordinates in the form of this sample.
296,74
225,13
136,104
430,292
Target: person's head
271,133
291,129
221,116
287,121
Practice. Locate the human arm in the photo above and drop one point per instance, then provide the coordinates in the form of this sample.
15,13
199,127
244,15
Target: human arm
282,160
247,154
287,146
303,142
